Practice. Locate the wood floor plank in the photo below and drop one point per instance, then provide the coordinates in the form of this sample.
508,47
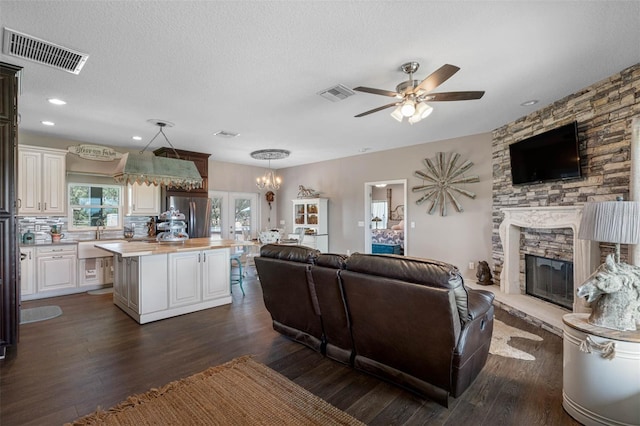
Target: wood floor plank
95,355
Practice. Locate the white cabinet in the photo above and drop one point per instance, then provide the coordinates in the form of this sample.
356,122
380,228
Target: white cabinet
57,267
143,200
198,275
215,274
41,181
95,271
313,215
27,271
185,278
140,286
127,281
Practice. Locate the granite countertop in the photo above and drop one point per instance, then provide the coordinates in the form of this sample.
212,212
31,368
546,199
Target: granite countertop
141,248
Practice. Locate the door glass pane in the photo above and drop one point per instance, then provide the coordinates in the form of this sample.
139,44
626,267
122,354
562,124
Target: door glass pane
216,218
242,219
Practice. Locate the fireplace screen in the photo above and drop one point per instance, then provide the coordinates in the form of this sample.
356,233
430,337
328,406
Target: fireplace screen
550,280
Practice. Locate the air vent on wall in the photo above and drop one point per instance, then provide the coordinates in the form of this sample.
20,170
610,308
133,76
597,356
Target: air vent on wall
43,52
336,93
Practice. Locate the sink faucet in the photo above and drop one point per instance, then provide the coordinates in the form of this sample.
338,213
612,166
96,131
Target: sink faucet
99,223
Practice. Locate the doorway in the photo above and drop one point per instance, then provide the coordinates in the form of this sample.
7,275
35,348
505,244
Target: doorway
385,217
234,215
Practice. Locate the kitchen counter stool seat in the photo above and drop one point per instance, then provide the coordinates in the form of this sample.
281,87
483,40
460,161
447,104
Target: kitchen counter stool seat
236,277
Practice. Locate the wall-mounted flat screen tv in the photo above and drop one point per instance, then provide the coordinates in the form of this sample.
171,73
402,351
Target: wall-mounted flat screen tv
552,155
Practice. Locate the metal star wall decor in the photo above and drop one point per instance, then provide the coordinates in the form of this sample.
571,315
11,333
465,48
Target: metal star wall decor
439,182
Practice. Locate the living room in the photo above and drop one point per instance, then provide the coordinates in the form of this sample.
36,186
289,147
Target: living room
602,106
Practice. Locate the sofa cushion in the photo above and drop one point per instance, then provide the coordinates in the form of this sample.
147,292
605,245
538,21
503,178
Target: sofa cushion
292,253
427,272
329,260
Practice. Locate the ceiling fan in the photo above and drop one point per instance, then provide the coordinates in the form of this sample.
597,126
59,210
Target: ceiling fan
413,95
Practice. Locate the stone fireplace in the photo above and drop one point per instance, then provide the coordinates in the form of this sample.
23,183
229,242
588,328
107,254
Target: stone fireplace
585,253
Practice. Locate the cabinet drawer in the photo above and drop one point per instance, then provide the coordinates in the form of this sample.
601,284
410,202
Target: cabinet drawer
61,249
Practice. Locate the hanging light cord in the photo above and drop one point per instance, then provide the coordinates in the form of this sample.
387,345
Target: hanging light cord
161,125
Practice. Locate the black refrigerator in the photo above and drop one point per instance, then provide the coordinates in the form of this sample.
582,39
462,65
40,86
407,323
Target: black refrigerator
197,212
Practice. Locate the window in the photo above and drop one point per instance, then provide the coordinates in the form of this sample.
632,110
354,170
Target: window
91,205
379,211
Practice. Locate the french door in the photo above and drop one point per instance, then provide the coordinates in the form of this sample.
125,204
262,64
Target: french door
234,215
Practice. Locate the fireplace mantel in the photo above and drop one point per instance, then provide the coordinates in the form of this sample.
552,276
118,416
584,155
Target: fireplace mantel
585,254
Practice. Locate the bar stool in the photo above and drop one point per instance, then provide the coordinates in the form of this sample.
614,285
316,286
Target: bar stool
236,278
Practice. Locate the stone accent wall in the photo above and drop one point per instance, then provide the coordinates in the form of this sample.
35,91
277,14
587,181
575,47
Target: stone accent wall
604,112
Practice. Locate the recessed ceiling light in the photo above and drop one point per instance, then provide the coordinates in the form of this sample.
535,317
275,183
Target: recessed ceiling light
48,123
137,138
57,101
529,102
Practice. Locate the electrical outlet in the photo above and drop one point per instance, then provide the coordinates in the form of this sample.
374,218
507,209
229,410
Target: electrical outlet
361,223
282,222
472,265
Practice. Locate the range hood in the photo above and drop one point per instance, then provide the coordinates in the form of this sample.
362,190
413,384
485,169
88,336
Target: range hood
149,169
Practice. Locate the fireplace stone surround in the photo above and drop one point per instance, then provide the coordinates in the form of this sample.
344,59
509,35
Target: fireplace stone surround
586,254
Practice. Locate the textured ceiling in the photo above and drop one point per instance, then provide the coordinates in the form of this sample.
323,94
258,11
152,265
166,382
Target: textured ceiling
254,67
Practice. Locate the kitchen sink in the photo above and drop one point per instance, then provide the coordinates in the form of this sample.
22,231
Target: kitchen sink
87,249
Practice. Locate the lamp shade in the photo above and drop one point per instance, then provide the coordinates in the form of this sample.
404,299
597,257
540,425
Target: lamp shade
611,222
149,169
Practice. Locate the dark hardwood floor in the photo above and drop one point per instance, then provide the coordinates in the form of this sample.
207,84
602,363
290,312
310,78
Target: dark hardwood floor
94,355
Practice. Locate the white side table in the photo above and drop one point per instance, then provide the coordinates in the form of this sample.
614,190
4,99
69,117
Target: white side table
601,373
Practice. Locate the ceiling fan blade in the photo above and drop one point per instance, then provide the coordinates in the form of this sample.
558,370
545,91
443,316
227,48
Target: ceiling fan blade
377,91
377,109
438,77
452,96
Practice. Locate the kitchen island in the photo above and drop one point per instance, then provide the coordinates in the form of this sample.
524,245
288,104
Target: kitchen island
153,281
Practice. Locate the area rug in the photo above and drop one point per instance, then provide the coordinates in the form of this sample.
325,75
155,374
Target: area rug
40,313
502,333
240,392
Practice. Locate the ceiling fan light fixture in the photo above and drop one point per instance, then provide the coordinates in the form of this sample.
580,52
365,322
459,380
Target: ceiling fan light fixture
408,108
414,119
397,114
423,110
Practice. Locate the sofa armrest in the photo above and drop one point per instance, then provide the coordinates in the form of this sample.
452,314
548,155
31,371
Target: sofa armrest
479,302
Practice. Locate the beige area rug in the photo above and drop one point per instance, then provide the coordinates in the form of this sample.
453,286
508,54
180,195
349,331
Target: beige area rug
502,333
41,313
240,392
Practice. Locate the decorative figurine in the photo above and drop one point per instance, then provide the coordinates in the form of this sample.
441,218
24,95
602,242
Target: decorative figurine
483,273
613,292
307,192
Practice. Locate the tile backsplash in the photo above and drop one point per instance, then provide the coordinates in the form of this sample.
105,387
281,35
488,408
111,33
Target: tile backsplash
41,226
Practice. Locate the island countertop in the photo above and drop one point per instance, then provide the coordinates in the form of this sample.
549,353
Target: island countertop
139,248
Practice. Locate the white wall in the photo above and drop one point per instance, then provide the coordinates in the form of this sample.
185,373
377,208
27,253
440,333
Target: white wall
458,238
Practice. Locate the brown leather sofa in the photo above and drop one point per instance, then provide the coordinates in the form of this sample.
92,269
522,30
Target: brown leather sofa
406,320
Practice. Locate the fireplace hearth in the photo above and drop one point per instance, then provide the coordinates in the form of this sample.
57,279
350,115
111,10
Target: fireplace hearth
550,280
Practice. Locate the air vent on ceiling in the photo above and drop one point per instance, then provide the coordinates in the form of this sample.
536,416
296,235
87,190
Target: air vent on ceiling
34,49
336,93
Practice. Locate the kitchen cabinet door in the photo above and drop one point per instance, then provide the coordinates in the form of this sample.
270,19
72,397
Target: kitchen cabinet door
41,181
215,274
143,200
28,271
185,278
56,272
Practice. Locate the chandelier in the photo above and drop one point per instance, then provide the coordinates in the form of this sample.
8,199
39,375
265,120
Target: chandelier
269,180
